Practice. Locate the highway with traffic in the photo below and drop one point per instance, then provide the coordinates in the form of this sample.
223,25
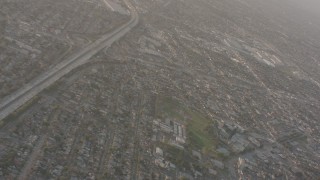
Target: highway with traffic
26,93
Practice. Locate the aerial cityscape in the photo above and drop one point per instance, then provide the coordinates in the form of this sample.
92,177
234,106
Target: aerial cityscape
159,89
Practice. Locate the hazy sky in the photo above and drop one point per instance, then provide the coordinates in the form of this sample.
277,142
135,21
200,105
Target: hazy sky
311,5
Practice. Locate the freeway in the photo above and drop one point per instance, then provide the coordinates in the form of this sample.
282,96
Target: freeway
20,97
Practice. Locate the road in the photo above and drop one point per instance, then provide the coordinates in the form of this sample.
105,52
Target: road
32,159
37,151
18,98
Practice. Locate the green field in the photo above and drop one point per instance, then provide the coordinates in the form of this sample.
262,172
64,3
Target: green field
198,134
